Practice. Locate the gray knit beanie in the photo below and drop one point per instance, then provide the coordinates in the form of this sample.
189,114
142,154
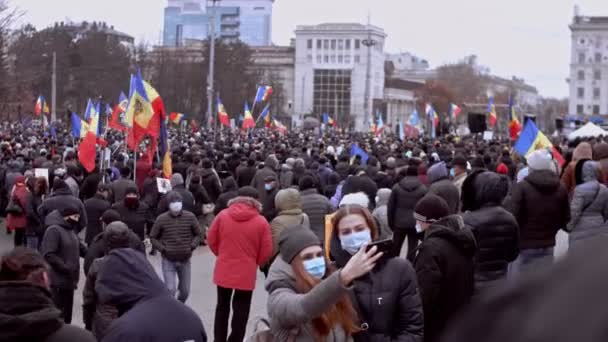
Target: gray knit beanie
116,235
294,239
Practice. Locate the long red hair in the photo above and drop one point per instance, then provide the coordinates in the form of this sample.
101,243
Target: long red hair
341,313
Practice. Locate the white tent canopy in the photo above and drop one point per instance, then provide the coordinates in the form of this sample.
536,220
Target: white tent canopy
589,130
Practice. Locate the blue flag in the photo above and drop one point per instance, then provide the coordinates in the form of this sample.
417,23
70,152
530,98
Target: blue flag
355,150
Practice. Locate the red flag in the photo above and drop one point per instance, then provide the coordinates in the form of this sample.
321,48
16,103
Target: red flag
86,151
114,122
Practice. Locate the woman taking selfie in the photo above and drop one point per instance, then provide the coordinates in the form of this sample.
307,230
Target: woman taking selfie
307,300
387,300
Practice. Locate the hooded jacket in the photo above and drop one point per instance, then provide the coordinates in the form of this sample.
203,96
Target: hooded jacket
402,201
212,183
61,199
540,205
291,313
582,152
240,238
289,205
61,249
270,165
316,206
137,218
496,230
230,192
95,207
147,310
27,313
444,267
286,178
589,206
98,248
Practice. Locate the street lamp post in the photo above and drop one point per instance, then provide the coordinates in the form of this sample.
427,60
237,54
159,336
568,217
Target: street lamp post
369,43
54,90
210,77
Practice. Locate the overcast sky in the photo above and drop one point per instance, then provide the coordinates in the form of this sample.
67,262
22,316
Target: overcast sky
525,38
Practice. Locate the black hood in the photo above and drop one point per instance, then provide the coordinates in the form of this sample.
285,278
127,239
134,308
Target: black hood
206,173
452,228
27,312
229,184
56,219
544,181
62,192
127,278
410,183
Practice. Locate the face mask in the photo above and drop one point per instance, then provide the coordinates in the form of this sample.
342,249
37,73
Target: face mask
418,227
71,221
175,207
131,201
315,267
353,242
268,186
452,173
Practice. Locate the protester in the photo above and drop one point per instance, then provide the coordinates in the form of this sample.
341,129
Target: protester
308,300
95,207
16,219
61,249
211,181
400,212
444,264
229,192
176,234
387,298
442,186
149,312
62,198
135,213
240,238
286,176
178,186
380,214
540,204
583,151
119,186
314,205
458,172
269,170
600,154
245,173
34,230
27,312
496,230
97,316
289,205
589,205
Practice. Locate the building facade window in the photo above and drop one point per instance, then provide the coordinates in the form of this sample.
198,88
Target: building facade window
340,59
309,58
598,57
333,59
340,44
357,44
309,44
347,59
581,75
347,44
326,59
596,93
331,93
580,109
357,59
596,109
319,44
319,59
333,44
326,44
597,75
581,57
580,92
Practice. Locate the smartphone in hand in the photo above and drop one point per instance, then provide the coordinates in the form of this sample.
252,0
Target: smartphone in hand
385,246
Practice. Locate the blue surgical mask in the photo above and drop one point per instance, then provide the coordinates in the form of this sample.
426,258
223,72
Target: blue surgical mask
268,186
418,228
315,267
452,173
354,241
175,207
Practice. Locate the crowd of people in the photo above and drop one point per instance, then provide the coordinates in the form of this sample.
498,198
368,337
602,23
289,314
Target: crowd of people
327,230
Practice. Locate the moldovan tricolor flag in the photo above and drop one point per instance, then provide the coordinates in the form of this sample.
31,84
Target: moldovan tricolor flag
532,139
492,112
222,113
176,118
144,112
380,126
248,121
79,126
514,125
41,107
87,148
454,111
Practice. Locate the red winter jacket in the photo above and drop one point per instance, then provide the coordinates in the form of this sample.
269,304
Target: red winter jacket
240,238
20,197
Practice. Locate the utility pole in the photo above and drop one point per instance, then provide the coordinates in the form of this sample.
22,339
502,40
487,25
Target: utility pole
369,43
210,79
54,89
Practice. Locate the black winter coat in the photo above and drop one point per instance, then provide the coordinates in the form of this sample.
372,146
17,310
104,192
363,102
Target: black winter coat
95,207
497,235
27,313
187,200
445,189
61,250
98,249
444,266
401,204
212,184
59,200
540,205
387,299
137,219
364,184
88,189
244,175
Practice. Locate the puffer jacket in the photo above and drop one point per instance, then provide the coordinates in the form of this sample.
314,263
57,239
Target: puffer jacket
589,211
19,196
388,301
401,204
240,238
212,183
444,267
538,224
96,316
286,178
176,236
316,206
286,218
60,199
496,230
291,312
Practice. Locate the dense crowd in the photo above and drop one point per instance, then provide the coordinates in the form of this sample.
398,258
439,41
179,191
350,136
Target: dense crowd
325,227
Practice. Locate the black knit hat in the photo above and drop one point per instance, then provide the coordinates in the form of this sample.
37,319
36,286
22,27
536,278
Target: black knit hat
131,190
69,210
110,216
294,239
459,160
116,235
248,191
431,208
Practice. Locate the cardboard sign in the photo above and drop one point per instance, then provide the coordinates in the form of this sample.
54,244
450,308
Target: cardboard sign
163,185
42,173
488,135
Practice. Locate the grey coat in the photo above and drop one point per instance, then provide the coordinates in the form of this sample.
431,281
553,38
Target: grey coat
291,313
589,211
316,206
